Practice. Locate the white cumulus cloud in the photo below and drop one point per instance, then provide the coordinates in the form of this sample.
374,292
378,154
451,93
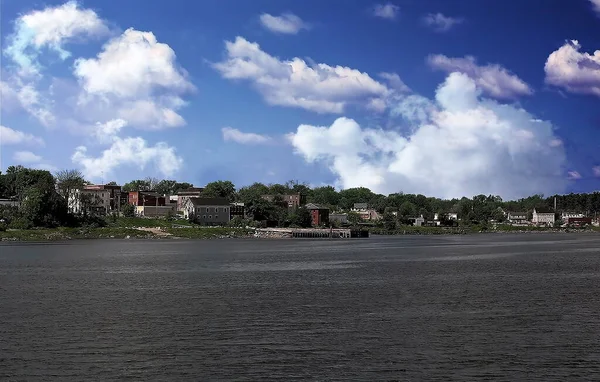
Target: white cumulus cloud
286,23
23,157
440,23
596,5
235,135
51,28
10,136
139,76
596,171
574,71
386,11
131,151
470,145
493,79
294,83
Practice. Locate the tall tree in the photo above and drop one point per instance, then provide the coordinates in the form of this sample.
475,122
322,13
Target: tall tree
220,189
67,181
137,185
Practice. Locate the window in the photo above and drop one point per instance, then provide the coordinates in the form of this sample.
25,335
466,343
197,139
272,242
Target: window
206,209
203,216
224,209
210,216
216,217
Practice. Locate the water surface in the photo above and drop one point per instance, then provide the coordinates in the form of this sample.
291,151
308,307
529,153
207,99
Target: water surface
507,307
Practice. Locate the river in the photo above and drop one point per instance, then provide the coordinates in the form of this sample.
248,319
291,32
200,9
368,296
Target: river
506,307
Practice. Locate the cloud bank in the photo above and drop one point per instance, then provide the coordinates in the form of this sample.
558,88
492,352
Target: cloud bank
470,145
294,83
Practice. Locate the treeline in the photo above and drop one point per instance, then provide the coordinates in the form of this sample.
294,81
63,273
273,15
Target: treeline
43,199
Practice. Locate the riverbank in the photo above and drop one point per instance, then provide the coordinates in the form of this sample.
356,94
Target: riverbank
62,234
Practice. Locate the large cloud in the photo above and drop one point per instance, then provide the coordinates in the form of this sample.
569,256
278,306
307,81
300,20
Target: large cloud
50,28
471,145
493,79
318,87
139,74
574,71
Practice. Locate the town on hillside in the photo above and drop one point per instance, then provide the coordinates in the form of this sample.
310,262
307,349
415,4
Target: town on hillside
293,204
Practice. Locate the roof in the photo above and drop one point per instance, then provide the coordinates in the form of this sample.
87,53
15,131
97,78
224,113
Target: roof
517,213
312,206
360,205
209,201
543,210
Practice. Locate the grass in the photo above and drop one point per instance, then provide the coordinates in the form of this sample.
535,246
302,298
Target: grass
147,223
57,234
209,232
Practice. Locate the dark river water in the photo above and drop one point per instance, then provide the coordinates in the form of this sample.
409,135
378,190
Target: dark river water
501,307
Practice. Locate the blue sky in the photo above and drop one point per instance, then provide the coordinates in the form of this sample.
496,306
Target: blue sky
444,98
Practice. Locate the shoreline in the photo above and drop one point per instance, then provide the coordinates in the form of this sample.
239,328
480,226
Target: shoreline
211,233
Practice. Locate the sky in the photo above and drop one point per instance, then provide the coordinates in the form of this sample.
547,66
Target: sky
443,98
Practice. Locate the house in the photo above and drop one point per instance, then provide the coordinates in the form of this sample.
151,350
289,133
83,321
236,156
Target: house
365,213
338,218
207,211
116,197
543,216
358,207
9,202
289,200
237,209
578,222
565,215
182,195
517,217
146,198
417,222
319,214
81,201
450,216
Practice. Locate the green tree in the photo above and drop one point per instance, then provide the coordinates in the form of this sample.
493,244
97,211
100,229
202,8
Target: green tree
325,195
354,217
407,210
300,217
220,189
137,185
128,210
390,221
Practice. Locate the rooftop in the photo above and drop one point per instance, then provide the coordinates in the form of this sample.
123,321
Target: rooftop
313,206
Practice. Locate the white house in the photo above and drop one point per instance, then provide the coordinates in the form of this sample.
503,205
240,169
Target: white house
517,217
89,201
565,216
543,216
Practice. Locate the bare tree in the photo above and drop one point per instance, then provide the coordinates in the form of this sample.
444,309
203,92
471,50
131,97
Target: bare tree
69,180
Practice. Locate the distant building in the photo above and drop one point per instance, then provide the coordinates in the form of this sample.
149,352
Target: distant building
289,200
154,211
578,222
360,207
365,213
207,211
9,202
237,209
450,216
182,195
116,197
565,216
319,214
146,198
543,216
338,218
417,222
517,217
93,201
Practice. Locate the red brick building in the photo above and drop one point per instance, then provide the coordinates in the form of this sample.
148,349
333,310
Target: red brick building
146,198
319,215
